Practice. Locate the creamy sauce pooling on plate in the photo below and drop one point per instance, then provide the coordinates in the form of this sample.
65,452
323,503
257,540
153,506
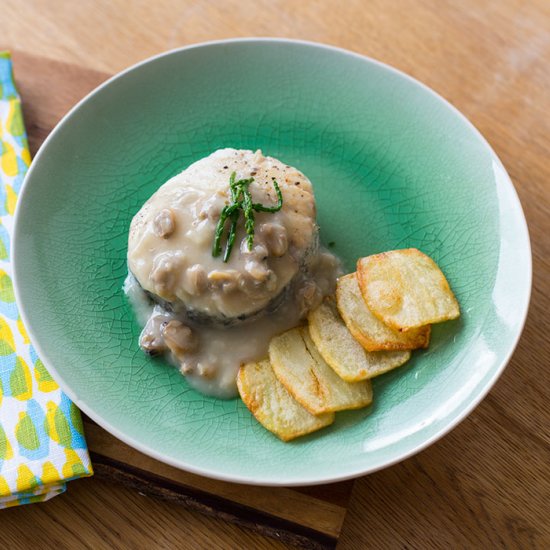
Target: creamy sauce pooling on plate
209,316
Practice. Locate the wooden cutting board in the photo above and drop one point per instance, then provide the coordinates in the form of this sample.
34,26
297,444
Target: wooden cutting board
309,517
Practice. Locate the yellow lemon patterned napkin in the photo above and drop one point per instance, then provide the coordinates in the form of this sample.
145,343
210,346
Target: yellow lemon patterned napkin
41,440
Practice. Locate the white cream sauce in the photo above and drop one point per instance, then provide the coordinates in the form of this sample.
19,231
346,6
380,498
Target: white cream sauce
171,237
207,316
212,367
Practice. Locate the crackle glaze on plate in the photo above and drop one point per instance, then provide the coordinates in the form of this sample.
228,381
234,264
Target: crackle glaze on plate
393,166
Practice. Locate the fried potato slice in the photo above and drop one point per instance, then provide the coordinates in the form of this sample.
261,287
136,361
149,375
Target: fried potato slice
271,404
367,329
300,368
343,352
406,289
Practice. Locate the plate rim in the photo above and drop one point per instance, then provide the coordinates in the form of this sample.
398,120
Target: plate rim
264,481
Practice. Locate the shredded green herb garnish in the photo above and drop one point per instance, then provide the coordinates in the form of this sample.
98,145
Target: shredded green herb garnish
241,200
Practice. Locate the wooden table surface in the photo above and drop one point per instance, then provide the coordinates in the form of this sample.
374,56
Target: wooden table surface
487,484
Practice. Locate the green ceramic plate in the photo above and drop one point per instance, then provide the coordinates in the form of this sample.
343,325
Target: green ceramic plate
393,166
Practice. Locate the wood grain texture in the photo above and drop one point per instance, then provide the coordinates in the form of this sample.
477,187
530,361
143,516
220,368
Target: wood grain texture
313,510
487,484
99,515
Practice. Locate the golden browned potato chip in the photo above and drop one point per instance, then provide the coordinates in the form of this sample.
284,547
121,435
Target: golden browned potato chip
343,395
343,352
272,405
406,289
301,369
367,329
